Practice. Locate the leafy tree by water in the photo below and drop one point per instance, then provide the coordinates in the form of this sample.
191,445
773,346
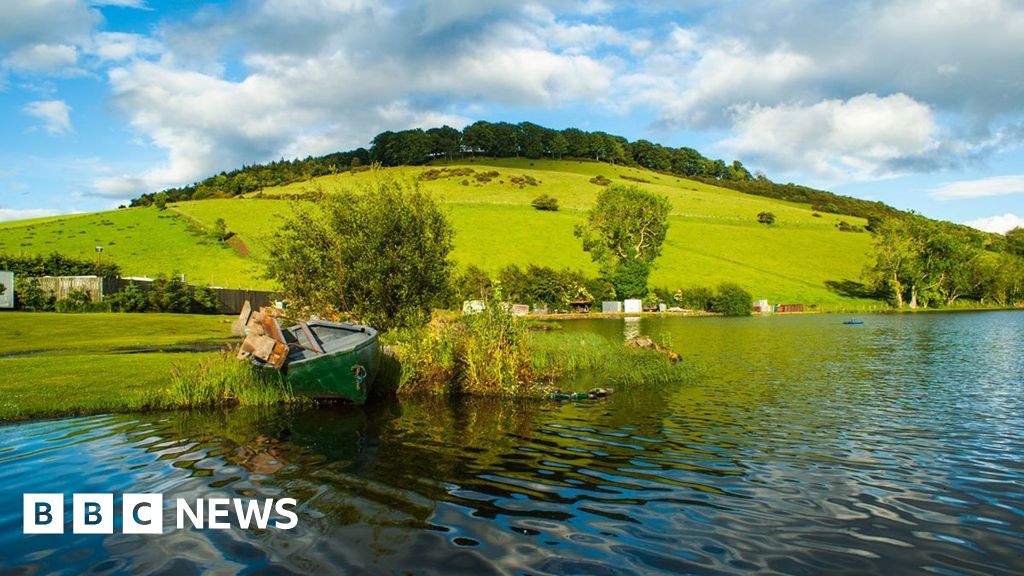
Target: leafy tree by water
629,278
624,233
732,300
380,256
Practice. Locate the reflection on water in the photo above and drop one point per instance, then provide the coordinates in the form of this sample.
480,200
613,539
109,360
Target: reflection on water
808,447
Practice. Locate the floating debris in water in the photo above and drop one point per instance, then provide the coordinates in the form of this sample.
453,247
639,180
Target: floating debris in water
592,394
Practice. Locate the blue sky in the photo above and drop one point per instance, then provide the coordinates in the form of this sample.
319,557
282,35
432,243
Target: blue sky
917,103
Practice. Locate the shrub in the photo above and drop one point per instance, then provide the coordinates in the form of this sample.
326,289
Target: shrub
696,298
732,300
766,218
131,299
205,300
600,180
76,301
322,260
545,202
473,284
845,226
29,296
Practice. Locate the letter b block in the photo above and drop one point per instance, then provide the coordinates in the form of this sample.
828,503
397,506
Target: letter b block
93,513
43,513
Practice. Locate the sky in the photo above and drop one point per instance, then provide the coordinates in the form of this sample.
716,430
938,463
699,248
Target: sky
917,103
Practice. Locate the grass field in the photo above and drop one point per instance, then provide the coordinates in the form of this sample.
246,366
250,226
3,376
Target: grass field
714,234
57,364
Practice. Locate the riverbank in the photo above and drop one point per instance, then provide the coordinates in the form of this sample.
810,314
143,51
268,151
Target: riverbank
65,364
75,364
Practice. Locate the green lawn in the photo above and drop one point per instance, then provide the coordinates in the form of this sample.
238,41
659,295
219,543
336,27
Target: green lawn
84,363
714,234
143,241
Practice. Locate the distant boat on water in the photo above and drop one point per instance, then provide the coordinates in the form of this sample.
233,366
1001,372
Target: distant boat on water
852,322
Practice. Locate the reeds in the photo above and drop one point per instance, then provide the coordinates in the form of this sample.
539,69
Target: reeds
222,380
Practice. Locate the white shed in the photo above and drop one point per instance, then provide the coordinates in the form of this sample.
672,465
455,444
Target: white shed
7,298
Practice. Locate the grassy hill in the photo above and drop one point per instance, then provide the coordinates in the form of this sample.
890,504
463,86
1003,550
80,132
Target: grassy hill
714,234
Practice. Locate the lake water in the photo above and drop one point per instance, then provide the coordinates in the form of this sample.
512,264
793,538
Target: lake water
807,446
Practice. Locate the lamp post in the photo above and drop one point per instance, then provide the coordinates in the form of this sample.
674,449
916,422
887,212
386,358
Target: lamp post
99,257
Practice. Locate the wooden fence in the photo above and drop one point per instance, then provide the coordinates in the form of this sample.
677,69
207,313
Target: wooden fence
230,300
62,286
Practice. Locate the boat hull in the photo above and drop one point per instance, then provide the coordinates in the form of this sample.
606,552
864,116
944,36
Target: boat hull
342,375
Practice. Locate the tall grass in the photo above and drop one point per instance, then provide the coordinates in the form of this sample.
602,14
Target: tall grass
580,360
494,354
222,380
484,354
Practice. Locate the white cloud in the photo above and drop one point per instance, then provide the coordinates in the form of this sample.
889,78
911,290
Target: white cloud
42,58
323,80
55,115
998,224
981,188
45,22
119,46
865,137
9,214
141,4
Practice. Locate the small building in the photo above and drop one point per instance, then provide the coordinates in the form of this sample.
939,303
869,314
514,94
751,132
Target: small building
789,308
580,306
521,309
611,307
762,307
633,306
7,297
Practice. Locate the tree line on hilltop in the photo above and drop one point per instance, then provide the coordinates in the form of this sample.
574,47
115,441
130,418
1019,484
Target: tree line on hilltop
507,140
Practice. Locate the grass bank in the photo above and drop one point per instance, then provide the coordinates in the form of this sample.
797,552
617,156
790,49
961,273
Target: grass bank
71,364
494,353
66,364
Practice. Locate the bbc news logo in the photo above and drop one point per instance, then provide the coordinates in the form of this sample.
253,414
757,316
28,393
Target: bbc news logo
144,513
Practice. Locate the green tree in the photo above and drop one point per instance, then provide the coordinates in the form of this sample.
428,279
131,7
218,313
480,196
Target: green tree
559,145
732,300
629,279
380,256
1015,241
766,218
473,284
625,229
445,141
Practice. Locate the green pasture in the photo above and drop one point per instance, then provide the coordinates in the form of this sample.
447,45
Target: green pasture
714,234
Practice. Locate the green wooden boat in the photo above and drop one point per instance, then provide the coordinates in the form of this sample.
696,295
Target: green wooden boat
332,360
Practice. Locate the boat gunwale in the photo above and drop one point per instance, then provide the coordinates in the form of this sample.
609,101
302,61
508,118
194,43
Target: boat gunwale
370,340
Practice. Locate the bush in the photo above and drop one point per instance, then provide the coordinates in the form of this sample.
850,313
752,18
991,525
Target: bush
131,299
696,298
77,301
766,218
732,300
30,297
170,295
380,257
205,300
473,284
600,180
545,202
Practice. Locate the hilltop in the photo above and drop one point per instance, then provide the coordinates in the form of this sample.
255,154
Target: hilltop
714,234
